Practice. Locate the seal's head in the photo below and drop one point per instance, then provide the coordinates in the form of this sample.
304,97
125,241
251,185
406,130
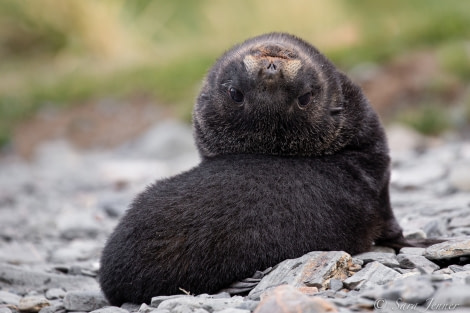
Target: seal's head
273,94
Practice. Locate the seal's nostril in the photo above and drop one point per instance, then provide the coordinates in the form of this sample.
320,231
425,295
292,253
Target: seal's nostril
272,67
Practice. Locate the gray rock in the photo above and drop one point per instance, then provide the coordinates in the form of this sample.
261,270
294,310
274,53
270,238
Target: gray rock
110,309
412,250
68,227
55,293
459,176
432,226
76,250
418,175
54,308
232,310
32,303
165,140
287,299
9,298
448,249
372,274
144,308
197,303
417,261
382,249
84,301
336,284
456,268
414,234
5,310
387,259
460,221
130,307
21,253
155,302
455,295
440,277
461,277
413,289
313,269
23,280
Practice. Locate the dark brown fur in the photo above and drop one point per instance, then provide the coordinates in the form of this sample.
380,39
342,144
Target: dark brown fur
277,179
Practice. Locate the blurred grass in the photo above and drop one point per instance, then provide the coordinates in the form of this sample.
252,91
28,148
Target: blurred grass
60,53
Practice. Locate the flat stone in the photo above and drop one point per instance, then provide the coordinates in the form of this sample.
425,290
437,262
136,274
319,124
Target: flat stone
55,293
197,303
374,273
460,221
233,310
5,310
76,250
462,277
382,249
287,299
413,289
9,298
23,280
313,269
418,175
459,176
54,308
155,302
387,259
336,284
84,300
412,250
448,249
32,303
417,261
432,226
21,253
456,295
110,309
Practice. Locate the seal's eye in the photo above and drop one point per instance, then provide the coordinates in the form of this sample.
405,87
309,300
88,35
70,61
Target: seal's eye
305,99
235,94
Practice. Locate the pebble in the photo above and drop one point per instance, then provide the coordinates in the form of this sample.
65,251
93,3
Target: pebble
287,299
459,176
373,273
110,309
55,293
448,249
9,298
193,303
311,272
387,259
23,280
84,301
417,261
453,295
412,250
32,303
46,254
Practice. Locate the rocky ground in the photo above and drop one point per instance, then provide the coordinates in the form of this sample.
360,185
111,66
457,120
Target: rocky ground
57,209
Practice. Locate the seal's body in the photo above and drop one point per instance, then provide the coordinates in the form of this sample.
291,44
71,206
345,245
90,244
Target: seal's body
294,160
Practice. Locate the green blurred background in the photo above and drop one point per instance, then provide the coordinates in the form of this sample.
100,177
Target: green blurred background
411,57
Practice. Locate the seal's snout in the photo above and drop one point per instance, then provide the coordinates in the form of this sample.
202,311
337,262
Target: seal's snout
272,62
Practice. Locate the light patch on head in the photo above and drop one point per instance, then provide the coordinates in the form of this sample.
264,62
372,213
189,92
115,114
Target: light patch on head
250,64
291,68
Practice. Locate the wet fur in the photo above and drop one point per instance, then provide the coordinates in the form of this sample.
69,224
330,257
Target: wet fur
272,185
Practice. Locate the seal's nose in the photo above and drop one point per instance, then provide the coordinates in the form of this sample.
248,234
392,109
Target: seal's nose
271,67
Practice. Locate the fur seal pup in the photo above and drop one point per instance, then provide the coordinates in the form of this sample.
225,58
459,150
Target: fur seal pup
294,160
